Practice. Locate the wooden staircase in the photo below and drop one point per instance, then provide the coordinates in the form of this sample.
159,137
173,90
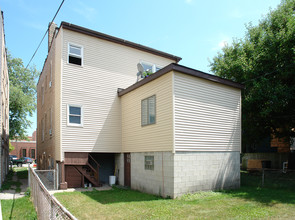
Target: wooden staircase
87,166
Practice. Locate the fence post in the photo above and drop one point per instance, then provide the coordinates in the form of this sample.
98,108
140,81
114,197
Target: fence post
29,181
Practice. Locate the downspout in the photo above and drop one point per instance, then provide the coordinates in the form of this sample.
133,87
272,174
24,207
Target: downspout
163,185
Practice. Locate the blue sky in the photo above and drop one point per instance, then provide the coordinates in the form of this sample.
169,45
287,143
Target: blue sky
192,29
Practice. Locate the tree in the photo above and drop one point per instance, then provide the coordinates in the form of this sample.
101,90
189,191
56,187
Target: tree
264,61
11,147
22,96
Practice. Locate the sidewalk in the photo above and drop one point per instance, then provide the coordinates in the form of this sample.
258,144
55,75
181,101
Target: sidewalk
11,193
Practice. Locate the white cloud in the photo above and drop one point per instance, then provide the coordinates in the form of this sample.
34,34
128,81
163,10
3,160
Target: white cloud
222,41
84,10
222,44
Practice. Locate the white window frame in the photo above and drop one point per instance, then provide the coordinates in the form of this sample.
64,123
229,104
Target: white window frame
50,130
149,162
43,130
50,82
68,114
154,66
75,55
147,115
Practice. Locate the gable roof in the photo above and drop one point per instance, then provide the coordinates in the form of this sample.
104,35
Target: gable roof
103,36
181,69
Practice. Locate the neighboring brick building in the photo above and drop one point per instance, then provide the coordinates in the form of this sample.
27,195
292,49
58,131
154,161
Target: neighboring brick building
4,110
24,148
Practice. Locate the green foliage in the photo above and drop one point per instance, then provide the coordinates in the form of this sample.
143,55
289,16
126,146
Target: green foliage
22,97
11,147
147,73
264,61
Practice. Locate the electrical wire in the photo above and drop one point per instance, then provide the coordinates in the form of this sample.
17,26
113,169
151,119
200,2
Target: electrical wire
44,34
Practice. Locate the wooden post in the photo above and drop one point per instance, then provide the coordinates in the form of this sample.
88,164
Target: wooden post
63,184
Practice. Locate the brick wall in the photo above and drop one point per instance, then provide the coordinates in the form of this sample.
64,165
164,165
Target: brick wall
19,146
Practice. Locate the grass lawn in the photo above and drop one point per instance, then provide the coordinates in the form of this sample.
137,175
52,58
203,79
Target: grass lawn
275,200
21,208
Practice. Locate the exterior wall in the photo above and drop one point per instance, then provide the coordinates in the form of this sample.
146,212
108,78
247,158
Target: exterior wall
207,115
158,181
20,145
4,111
196,171
154,137
106,67
47,112
282,144
119,166
185,172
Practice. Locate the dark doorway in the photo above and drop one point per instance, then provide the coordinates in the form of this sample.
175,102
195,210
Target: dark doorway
127,170
107,165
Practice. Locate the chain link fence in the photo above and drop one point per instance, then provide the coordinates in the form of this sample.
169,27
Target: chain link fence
48,178
271,178
47,206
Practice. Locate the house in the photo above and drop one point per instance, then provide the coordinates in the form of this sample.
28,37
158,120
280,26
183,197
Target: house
4,111
24,148
173,132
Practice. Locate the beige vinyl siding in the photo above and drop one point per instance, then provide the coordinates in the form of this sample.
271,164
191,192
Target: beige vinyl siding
154,137
106,67
207,115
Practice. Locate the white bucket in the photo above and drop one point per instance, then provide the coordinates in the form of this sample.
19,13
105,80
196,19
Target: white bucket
112,180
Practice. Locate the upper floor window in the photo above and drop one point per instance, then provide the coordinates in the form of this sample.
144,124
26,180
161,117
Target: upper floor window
43,130
50,82
148,111
75,115
42,94
150,67
75,54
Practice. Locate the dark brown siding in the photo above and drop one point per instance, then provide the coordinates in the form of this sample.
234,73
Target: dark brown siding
73,177
76,158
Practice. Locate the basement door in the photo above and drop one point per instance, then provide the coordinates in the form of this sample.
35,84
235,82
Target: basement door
127,169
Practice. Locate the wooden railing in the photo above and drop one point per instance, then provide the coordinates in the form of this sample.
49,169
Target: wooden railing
93,165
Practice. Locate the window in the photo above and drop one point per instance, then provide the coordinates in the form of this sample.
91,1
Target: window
42,94
150,67
24,152
149,162
43,129
50,129
75,115
148,111
50,82
33,153
75,54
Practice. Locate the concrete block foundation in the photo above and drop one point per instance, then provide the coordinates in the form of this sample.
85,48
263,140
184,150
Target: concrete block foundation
179,173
